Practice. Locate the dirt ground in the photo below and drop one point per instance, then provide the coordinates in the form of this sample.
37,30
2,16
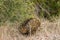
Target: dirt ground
47,31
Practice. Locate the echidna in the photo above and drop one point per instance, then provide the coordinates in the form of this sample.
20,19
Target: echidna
30,25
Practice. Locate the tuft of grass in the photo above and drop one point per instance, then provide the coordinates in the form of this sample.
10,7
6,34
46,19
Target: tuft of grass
48,8
16,10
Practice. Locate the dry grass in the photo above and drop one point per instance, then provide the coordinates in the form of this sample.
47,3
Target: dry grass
47,31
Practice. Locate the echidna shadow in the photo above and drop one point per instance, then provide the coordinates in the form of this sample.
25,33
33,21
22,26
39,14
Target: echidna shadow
29,24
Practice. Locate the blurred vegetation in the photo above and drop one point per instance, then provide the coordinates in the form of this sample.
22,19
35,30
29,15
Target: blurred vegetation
16,10
48,8
20,10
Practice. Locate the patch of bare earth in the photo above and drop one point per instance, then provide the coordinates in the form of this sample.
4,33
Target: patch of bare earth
47,31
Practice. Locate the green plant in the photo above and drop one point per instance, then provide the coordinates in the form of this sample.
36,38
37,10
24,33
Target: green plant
16,10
